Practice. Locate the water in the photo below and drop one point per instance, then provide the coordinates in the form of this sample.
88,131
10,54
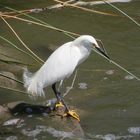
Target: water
108,101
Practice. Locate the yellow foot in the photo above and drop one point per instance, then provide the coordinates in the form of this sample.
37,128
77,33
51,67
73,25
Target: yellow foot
73,114
59,104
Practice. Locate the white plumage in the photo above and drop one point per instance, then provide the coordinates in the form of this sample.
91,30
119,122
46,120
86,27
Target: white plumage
60,64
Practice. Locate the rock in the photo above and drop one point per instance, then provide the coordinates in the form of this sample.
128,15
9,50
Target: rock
25,108
13,122
68,123
12,105
6,131
68,126
3,110
4,113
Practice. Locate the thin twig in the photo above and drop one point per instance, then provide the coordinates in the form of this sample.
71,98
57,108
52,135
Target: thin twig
126,15
14,15
34,55
70,34
13,60
91,70
16,90
72,84
113,62
11,78
8,41
12,12
36,19
43,25
85,9
22,13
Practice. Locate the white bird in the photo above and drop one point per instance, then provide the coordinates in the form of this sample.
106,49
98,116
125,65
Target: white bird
60,65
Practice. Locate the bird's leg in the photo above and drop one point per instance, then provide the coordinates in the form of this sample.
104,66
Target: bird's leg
59,97
61,102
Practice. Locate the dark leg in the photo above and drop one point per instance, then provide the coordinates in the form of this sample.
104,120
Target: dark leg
57,94
59,97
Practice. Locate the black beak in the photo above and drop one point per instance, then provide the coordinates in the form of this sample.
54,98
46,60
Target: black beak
102,51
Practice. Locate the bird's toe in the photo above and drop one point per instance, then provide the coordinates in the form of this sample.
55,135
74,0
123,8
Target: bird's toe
73,114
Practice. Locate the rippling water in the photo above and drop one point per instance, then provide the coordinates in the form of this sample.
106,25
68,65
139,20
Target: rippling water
107,99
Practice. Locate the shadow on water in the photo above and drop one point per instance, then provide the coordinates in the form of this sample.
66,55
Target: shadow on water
106,98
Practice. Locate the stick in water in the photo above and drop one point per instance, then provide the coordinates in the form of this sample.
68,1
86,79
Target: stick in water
113,62
126,15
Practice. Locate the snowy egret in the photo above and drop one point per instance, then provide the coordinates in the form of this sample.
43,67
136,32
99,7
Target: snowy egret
60,65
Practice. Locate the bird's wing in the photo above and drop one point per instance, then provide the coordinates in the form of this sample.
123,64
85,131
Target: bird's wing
58,66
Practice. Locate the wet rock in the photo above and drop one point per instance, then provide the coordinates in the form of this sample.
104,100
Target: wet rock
6,131
25,108
44,129
3,110
12,105
4,113
4,81
68,126
31,133
15,121
12,138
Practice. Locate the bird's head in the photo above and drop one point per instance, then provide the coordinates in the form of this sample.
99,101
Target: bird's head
91,43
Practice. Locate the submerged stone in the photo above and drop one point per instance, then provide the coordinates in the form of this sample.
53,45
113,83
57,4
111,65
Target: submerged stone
82,85
7,82
128,77
109,72
13,122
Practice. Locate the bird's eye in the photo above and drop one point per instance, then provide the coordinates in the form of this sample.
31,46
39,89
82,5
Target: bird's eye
94,45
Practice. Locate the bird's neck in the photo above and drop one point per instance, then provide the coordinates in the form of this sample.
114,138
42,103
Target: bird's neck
82,53
85,52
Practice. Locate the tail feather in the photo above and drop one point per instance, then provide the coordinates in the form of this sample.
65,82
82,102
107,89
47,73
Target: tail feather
27,76
31,84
